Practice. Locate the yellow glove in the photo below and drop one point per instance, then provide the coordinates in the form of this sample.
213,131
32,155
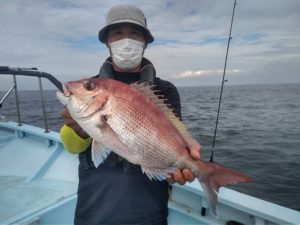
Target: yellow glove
72,142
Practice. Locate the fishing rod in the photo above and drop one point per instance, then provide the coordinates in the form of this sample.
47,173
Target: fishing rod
222,86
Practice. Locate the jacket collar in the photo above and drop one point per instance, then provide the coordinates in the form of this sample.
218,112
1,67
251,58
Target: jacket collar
147,72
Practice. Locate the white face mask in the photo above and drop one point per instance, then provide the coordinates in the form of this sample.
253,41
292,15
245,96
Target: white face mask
127,53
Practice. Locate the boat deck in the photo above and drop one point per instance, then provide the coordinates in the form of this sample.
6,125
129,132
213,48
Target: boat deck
36,173
19,197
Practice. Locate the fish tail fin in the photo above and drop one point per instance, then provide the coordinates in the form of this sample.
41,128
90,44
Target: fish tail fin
213,177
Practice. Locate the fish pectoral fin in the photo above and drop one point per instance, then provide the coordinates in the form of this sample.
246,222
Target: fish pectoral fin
111,143
99,153
158,173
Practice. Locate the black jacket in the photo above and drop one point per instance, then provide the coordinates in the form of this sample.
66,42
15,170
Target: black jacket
117,192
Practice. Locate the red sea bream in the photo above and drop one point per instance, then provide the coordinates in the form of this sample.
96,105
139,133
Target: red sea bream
136,124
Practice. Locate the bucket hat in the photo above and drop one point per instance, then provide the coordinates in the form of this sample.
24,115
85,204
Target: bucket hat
125,13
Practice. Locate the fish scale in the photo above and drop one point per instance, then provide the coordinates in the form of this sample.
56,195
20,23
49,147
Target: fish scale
136,124
142,140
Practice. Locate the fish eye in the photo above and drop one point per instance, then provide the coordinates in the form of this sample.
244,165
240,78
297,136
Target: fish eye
89,85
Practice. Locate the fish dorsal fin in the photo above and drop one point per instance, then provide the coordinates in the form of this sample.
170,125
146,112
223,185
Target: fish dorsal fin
145,88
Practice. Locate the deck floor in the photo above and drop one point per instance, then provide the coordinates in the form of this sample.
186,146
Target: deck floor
18,197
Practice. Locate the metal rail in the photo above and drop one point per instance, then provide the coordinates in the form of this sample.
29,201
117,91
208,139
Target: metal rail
7,94
32,72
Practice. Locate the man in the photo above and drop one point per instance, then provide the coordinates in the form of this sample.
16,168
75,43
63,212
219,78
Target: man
117,192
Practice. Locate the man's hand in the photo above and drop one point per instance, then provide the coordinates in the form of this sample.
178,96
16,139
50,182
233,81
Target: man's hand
68,120
184,175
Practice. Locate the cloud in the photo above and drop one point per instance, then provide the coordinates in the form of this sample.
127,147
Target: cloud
60,37
201,73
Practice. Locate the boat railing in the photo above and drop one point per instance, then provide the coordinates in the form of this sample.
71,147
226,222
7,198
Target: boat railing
32,72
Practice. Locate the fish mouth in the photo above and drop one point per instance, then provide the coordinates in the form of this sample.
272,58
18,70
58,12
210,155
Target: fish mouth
64,97
66,90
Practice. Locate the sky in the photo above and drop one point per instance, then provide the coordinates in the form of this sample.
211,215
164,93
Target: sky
60,37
